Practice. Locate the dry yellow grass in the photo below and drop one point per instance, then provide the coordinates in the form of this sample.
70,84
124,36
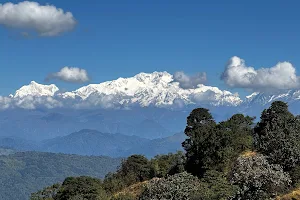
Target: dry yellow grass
293,195
134,190
249,154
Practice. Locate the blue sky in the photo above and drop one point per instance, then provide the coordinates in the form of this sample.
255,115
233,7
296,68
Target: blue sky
122,38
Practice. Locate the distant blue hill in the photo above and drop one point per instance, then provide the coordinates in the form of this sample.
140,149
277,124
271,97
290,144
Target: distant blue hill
92,142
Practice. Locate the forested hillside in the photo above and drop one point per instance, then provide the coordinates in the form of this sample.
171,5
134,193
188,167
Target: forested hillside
22,173
229,160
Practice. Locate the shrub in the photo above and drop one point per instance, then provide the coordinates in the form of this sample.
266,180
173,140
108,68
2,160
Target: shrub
180,186
257,179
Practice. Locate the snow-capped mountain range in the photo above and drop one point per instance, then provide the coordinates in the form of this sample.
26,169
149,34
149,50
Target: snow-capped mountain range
144,89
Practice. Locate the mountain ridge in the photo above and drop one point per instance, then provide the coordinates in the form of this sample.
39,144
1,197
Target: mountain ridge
157,89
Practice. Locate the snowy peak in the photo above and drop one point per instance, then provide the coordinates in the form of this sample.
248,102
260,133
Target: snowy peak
157,88
127,86
154,78
267,98
36,89
144,89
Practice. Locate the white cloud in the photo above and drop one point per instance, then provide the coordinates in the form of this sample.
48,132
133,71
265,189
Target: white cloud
45,20
33,102
5,102
279,77
70,74
187,82
100,101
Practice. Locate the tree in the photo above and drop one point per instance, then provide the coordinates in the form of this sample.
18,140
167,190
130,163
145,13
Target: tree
113,182
277,136
81,188
162,165
136,168
212,146
200,130
257,179
235,137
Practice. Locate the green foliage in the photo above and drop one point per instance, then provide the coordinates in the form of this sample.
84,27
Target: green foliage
215,186
277,136
162,165
114,182
201,129
135,168
81,188
25,172
73,188
179,186
212,146
235,136
47,193
257,179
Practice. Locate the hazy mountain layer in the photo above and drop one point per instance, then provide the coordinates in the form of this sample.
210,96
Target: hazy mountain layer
25,172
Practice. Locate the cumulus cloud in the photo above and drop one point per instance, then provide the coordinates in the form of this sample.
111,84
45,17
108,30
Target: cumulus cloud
99,101
45,20
5,102
70,74
188,82
29,102
279,77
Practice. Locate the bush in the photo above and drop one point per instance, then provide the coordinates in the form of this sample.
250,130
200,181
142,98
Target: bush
180,186
257,179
